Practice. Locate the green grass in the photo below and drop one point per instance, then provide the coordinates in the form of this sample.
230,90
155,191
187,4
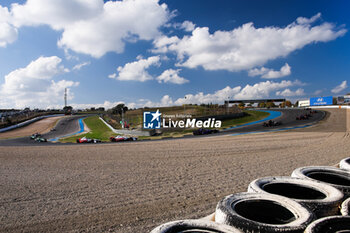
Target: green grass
97,128
250,117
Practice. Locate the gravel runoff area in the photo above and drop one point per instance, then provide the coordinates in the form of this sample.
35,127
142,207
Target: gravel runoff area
41,126
134,187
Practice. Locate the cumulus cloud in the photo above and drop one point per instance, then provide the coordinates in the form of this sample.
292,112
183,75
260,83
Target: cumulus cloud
8,33
245,47
98,28
81,65
256,91
33,84
269,73
288,93
137,70
341,87
119,21
171,76
57,14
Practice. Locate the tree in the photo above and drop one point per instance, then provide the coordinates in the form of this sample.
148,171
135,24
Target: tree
288,104
241,105
335,101
262,105
296,104
119,109
67,110
270,104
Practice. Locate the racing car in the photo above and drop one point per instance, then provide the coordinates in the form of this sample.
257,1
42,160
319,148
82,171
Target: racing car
120,138
40,139
303,117
34,136
88,140
271,123
203,131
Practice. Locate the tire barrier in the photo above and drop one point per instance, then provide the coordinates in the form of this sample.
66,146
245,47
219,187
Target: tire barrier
281,204
192,226
322,199
335,177
345,164
261,212
330,224
345,206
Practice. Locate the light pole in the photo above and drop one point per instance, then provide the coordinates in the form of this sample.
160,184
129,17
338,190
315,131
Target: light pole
185,105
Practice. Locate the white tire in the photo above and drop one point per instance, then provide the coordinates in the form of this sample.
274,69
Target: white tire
195,226
335,177
345,206
322,199
345,164
329,225
261,212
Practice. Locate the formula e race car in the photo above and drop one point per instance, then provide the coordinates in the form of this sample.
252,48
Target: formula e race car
87,140
203,131
271,123
34,136
40,139
303,117
120,138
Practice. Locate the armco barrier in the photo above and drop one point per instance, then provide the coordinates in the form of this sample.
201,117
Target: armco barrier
27,122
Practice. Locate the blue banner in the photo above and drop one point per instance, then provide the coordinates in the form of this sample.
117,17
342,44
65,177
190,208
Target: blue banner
319,101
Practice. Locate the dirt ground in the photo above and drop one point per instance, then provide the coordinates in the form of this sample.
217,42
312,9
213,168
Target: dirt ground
134,187
42,126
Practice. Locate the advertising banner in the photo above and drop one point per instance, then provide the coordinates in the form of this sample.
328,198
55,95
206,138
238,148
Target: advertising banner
319,101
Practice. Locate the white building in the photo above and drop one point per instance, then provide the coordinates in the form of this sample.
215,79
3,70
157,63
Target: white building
304,103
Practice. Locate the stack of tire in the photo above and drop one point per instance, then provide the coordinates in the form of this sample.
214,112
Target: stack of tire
314,200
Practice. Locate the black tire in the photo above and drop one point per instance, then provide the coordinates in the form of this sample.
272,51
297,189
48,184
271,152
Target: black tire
322,199
261,212
345,164
330,225
335,177
345,206
195,226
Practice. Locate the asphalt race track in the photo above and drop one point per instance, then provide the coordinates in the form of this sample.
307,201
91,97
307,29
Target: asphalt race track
288,119
65,126
70,125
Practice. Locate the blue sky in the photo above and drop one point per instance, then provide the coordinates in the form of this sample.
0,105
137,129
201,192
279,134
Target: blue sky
161,53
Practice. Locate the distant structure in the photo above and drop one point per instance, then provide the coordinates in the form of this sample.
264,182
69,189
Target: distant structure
65,97
253,101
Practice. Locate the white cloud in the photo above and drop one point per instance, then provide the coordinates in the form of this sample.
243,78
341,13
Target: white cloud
33,85
288,93
245,47
317,92
256,91
112,76
119,21
98,27
81,65
8,33
269,73
302,20
263,89
57,14
161,43
171,76
136,71
188,26
341,87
